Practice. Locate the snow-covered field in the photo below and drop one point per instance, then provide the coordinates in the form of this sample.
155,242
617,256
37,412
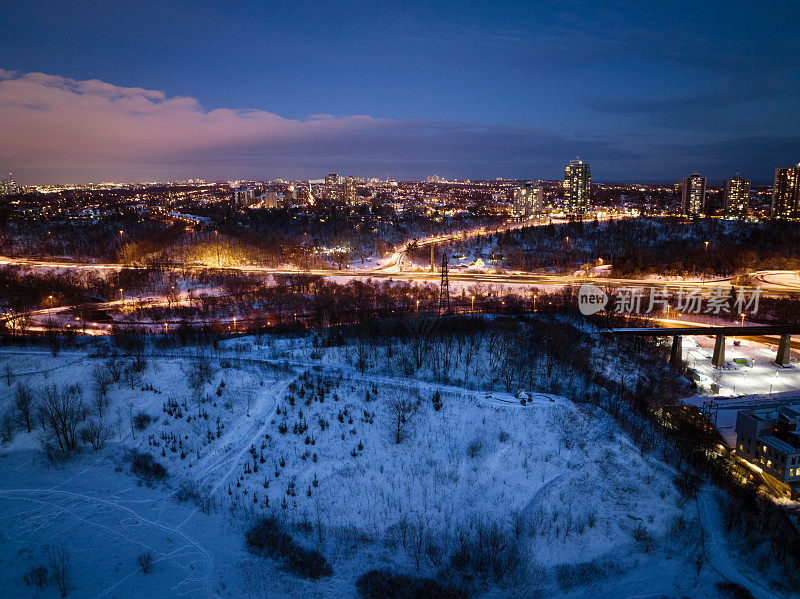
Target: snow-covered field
569,505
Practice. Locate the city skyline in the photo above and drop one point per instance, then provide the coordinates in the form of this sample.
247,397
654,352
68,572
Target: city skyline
471,91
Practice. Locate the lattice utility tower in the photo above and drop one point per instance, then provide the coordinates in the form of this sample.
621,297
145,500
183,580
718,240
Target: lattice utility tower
444,289
709,411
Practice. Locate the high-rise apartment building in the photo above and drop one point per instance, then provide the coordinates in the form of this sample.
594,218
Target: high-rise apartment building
7,186
736,197
694,195
527,201
303,195
577,188
331,190
786,192
349,191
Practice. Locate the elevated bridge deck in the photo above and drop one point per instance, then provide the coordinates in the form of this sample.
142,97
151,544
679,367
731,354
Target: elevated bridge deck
784,331
747,331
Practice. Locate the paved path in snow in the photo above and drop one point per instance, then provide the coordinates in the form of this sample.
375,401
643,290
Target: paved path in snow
716,548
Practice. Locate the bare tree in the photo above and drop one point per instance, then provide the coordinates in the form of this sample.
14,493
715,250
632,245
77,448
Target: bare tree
133,376
52,332
402,410
15,323
8,374
96,435
60,411
23,401
131,419
341,257
7,426
99,401
114,368
132,342
101,381
58,558
419,328
199,373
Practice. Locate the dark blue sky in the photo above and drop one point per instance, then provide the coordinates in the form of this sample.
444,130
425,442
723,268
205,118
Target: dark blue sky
641,90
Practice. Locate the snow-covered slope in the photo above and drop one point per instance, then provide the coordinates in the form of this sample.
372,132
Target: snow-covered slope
556,495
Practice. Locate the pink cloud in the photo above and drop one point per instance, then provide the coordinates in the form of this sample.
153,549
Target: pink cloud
51,121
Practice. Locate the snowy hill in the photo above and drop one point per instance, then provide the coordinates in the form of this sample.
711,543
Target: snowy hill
481,491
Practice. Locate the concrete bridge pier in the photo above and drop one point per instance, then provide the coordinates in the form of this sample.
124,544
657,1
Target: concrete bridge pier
784,355
676,355
718,360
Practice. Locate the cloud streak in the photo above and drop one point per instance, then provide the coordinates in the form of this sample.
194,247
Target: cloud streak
88,130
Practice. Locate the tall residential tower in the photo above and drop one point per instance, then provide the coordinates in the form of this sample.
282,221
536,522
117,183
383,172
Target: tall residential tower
577,188
349,191
786,192
736,197
527,201
694,195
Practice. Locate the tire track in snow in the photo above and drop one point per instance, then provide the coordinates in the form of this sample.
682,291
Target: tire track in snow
541,491
98,501
245,446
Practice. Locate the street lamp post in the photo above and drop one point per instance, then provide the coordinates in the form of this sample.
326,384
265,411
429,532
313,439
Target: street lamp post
703,276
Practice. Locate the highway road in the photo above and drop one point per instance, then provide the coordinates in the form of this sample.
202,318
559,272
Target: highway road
394,270
771,282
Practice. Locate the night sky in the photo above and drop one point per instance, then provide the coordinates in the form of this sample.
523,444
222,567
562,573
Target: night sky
645,91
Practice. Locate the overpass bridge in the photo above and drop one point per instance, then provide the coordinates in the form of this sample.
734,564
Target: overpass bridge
784,331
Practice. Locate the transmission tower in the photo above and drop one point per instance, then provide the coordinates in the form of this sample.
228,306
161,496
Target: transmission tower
709,411
444,289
